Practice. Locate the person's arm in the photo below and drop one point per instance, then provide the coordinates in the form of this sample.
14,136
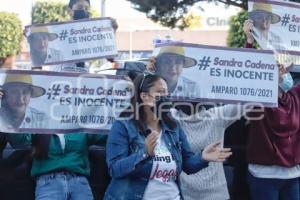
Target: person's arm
248,28
231,113
191,163
97,139
19,140
120,161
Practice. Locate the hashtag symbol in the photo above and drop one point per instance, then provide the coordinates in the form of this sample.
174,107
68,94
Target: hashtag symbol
285,20
204,63
54,91
63,35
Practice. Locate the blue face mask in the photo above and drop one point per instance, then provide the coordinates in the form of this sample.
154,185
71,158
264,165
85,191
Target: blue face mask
81,14
286,83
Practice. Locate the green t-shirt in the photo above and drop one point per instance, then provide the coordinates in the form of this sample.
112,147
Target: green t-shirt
73,158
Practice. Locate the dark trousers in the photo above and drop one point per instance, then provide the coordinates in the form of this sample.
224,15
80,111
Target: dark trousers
273,189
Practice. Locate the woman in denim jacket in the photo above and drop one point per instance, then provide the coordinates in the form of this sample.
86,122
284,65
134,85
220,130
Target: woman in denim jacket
147,149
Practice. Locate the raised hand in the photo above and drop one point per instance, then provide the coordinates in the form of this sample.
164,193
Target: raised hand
248,28
151,64
150,142
214,152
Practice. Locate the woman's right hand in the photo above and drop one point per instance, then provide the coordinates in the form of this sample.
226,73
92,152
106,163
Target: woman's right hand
151,64
248,27
150,142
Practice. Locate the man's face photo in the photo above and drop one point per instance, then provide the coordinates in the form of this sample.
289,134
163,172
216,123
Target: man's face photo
263,16
170,66
261,20
17,97
39,42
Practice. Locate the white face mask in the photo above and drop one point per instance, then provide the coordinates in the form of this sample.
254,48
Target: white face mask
286,83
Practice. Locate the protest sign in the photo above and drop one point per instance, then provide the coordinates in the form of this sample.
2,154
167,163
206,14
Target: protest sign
71,41
277,28
52,102
218,74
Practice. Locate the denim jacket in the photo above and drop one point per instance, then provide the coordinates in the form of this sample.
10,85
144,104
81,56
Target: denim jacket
129,166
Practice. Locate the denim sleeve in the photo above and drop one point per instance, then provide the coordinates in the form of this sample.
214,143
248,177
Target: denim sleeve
19,140
120,162
191,163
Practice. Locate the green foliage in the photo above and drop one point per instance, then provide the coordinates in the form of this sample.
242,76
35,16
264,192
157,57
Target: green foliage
49,11
171,13
52,11
10,34
236,36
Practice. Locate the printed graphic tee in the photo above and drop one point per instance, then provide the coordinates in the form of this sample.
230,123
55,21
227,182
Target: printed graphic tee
162,185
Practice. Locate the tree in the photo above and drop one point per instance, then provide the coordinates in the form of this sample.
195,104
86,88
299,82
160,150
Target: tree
171,13
10,35
49,11
236,36
52,11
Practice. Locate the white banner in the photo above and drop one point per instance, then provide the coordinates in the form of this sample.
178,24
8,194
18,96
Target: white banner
277,28
71,41
218,74
52,102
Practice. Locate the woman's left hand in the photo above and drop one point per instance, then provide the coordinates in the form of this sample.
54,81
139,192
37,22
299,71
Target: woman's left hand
214,152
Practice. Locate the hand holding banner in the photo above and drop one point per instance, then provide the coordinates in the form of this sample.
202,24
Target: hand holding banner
277,28
218,74
51,102
71,41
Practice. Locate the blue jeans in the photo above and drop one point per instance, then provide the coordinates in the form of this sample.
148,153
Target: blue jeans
273,189
62,186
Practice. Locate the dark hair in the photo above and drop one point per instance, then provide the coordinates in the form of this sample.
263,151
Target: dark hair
72,2
40,146
136,101
132,74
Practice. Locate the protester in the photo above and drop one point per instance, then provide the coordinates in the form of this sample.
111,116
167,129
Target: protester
204,125
170,62
78,10
273,146
60,167
147,152
61,160
194,119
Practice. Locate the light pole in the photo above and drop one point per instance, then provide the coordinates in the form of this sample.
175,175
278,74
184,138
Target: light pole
102,8
130,43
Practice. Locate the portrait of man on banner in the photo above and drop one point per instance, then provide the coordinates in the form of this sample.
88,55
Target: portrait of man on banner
170,63
40,52
15,111
263,17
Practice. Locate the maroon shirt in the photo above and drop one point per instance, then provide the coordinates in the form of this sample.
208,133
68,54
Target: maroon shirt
275,140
